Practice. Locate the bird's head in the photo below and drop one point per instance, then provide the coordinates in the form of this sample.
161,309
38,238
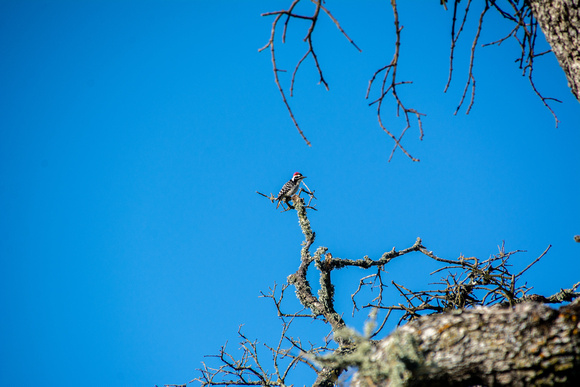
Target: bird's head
298,176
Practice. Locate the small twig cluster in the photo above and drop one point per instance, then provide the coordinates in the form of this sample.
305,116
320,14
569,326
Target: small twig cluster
524,32
248,369
469,283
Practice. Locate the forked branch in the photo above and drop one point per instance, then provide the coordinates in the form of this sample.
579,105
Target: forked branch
389,85
289,15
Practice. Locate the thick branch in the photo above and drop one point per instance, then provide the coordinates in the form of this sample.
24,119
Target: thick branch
324,305
530,345
560,22
366,262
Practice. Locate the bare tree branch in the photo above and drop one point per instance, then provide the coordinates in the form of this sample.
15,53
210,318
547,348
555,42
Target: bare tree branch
471,284
391,69
524,32
289,15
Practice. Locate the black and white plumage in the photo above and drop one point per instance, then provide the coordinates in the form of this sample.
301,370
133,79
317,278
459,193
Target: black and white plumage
290,188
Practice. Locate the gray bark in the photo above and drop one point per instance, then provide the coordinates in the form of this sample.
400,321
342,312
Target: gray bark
560,22
529,345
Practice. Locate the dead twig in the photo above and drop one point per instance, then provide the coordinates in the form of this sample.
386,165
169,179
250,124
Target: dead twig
289,15
386,88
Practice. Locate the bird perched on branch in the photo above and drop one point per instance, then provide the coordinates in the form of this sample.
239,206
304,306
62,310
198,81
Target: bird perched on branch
290,188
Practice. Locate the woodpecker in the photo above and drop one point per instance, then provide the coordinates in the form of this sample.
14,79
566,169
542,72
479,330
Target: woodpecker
290,188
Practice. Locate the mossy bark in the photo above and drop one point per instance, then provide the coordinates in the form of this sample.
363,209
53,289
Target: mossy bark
529,345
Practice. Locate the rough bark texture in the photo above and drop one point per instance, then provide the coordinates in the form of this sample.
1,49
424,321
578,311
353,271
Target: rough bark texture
529,345
560,22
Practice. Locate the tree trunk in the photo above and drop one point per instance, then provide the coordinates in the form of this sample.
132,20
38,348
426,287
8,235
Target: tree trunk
560,22
529,345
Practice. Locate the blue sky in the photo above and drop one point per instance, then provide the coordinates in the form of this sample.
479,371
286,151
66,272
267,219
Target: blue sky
133,136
